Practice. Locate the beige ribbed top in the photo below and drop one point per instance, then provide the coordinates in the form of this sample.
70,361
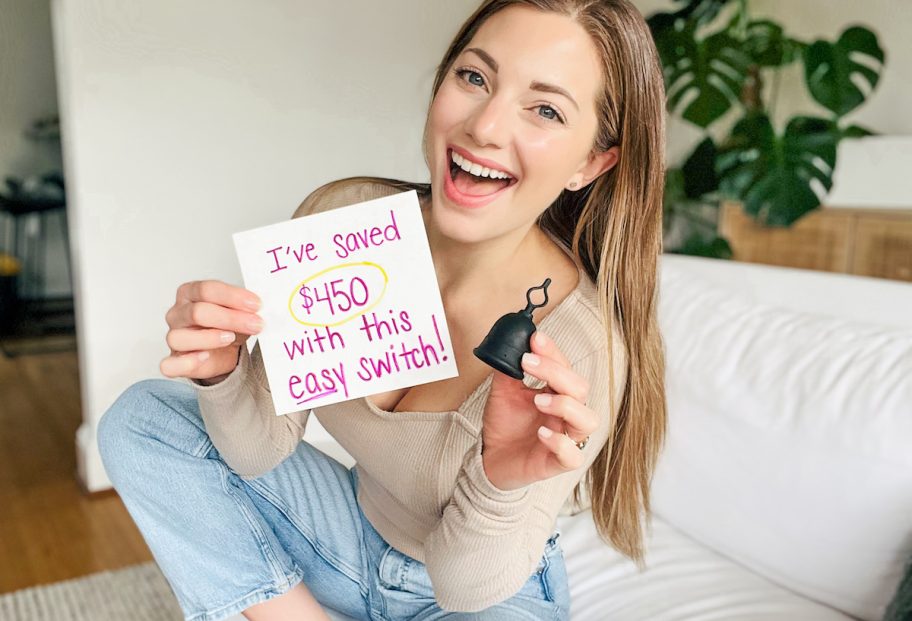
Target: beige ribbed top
422,484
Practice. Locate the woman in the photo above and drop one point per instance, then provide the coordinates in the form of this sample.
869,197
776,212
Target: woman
545,143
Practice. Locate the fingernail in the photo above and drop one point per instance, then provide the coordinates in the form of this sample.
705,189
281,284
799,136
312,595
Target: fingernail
542,398
255,326
252,303
531,359
227,337
540,337
203,355
545,432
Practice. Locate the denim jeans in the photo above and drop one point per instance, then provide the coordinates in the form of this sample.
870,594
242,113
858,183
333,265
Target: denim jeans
225,543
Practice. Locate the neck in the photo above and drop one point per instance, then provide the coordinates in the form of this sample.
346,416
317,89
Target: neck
466,270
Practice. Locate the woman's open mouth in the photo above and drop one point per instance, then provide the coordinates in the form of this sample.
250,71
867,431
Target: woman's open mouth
472,185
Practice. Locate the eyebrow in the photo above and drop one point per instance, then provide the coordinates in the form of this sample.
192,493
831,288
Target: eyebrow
535,86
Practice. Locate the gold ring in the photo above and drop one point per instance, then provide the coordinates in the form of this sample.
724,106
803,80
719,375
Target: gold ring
580,445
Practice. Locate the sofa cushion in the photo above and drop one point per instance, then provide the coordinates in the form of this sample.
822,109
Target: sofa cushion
684,581
790,442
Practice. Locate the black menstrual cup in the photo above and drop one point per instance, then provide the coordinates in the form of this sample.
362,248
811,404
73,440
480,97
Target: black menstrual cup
508,340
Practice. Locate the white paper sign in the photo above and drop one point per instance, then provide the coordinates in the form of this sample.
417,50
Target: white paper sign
350,303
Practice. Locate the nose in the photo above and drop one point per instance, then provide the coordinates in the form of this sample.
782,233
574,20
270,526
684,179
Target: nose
488,125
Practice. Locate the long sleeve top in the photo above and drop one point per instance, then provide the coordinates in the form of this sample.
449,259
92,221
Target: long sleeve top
421,480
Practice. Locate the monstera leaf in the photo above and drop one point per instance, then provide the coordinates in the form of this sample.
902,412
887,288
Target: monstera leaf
768,46
708,74
773,175
701,11
699,175
856,131
713,247
833,75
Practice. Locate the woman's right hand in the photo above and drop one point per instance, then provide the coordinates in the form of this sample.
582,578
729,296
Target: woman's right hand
209,323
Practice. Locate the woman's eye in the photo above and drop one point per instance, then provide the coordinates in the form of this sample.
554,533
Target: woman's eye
549,113
472,77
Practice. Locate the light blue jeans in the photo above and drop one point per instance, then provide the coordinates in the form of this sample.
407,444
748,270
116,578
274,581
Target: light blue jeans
225,544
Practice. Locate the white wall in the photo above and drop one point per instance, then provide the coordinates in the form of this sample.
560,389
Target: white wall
28,92
187,121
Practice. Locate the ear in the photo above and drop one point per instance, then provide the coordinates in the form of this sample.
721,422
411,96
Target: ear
596,165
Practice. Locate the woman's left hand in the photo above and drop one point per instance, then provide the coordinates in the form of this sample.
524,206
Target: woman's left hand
515,452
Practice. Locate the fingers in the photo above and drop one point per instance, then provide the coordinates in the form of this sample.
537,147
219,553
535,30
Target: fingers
215,304
192,339
578,420
210,320
183,364
218,292
543,345
565,452
210,315
218,362
559,375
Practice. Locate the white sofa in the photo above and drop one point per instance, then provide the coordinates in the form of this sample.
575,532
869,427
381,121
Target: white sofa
785,488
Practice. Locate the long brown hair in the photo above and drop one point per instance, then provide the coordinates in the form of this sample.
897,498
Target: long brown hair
614,228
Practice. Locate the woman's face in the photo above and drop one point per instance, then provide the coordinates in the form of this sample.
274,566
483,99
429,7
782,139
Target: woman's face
518,102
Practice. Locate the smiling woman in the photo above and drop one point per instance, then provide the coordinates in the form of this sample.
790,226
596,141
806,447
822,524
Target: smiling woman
545,145
509,103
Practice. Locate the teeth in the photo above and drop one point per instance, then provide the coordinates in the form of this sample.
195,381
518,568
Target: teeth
477,169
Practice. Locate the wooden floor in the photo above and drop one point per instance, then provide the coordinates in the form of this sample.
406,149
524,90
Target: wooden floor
49,529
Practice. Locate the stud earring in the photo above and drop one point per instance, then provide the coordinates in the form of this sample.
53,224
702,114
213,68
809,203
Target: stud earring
573,184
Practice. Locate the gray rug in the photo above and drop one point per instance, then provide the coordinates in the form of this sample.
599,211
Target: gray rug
138,593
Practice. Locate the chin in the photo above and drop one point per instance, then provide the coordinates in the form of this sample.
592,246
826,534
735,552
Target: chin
456,224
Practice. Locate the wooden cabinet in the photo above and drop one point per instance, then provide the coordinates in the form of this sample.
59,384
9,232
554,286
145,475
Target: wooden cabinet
883,247
866,242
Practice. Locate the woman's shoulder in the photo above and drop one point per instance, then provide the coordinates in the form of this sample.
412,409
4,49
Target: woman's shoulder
351,190
584,335
580,313
581,319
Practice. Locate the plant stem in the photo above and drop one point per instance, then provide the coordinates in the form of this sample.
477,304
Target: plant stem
774,95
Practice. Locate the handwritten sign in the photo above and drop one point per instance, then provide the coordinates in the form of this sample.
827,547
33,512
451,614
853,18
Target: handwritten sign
350,303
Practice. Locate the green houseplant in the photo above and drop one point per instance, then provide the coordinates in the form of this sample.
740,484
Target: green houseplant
716,57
